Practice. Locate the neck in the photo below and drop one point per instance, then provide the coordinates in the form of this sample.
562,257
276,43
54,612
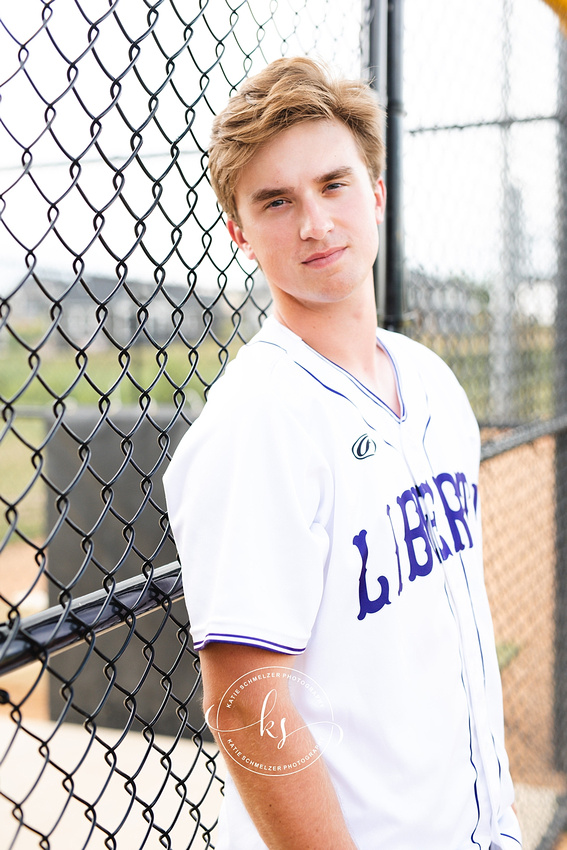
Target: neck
342,332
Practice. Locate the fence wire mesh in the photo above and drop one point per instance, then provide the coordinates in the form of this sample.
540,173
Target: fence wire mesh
121,300
485,234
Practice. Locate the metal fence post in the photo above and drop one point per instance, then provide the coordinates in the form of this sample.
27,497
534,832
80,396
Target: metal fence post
561,407
377,71
394,141
385,51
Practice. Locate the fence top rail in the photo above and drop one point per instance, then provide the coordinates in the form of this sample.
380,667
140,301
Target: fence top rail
516,437
56,629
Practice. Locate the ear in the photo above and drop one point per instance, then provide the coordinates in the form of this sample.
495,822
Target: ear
380,200
237,236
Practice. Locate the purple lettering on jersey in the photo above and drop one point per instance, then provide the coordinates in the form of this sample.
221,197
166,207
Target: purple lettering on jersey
438,542
457,511
422,536
400,582
475,497
414,533
367,605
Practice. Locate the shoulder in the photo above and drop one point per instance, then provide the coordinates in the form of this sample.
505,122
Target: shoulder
421,367
411,356
263,379
263,403
414,352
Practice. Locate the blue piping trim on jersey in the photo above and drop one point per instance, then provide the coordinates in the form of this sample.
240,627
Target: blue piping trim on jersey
473,765
462,659
392,360
471,605
372,396
221,637
319,381
494,747
315,378
474,616
427,424
473,839
269,342
473,612
335,392
363,389
368,393
513,837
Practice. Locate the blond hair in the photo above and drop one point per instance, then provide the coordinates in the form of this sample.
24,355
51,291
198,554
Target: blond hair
285,93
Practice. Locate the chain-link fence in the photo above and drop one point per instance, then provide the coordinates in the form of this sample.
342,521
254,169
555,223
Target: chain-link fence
485,239
121,300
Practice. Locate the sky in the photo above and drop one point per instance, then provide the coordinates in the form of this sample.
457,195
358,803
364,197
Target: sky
456,181
59,106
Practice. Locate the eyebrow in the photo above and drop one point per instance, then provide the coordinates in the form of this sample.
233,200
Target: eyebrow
268,193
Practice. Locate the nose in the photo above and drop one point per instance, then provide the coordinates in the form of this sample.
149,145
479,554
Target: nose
315,220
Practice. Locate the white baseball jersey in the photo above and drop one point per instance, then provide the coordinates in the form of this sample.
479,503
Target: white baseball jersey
310,519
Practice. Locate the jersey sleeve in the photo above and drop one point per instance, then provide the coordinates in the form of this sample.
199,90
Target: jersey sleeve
248,494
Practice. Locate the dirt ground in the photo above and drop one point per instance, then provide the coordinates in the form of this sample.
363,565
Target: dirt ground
517,492
518,504
18,573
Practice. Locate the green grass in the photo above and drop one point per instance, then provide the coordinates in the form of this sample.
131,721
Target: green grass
119,376
506,651
124,376
530,375
23,494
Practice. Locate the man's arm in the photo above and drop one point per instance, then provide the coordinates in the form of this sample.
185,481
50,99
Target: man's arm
298,811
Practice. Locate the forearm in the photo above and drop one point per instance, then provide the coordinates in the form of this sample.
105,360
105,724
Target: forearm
295,811
272,756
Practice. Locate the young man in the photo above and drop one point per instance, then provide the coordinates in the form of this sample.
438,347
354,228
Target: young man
325,508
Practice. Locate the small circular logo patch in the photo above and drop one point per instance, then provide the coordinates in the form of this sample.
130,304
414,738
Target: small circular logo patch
364,447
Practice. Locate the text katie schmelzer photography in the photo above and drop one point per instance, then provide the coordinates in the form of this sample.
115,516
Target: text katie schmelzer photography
268,751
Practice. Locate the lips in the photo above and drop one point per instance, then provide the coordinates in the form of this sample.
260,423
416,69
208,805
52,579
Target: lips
322,258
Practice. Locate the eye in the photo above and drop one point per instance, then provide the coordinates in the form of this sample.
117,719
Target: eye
277,202
333,186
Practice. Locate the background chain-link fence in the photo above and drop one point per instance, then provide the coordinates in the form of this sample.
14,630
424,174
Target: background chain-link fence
121,300
485,190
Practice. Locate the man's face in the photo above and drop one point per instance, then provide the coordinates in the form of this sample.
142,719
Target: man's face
309,215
